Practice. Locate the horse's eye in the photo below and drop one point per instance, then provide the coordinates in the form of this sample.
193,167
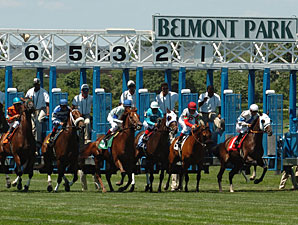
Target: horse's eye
169,118
262,121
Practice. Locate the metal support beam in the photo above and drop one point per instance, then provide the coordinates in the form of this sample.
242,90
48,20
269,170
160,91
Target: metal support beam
39,74
224,86
266,86
181,85
8,84
293,101
96,84
52,84
168,78
209,78
139,84
251,87
83,77
125,79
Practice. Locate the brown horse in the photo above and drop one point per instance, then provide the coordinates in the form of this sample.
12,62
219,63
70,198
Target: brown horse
157,151
65,151
251,151
22,147
122,154
193,153
3,123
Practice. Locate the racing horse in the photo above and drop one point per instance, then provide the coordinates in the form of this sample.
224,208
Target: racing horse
251,151
157,150
21,146
65,151
3,123
192,153
122,152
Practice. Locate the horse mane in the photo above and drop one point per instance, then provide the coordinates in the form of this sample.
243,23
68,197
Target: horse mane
253,124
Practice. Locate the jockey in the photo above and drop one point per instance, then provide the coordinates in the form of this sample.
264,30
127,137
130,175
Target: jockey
13,115
188,119
244,121
59,117
114,118
152,115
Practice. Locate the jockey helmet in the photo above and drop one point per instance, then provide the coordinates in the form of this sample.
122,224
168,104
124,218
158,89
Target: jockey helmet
154,105
127,102
254,108
16,100
192,105
63,101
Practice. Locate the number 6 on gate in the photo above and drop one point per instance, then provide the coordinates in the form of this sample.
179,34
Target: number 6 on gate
31,52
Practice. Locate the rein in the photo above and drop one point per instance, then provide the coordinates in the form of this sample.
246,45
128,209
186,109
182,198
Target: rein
203,145
256,131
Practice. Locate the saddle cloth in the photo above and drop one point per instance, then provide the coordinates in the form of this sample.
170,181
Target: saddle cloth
56,136
142,144
176,146
5,138
102,145
231,145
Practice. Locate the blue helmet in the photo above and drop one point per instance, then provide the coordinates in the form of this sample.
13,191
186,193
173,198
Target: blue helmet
63,101
127,103
16,100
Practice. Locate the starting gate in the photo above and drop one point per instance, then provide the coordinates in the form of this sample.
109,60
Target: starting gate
101,108
12,93
232,111
188,97
275,112
145,101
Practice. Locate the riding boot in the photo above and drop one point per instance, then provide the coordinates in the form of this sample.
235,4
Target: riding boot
51,139
237,141
179,141
107,136
10,131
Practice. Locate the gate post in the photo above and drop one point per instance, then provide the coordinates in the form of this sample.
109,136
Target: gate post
96,84
181,86
224,86
125,79
8,84
139,85
52,85
39,74
293,100
251,87
83,77
266,86
168,78
209,78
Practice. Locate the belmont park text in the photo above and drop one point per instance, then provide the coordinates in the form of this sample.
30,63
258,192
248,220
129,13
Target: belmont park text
210,28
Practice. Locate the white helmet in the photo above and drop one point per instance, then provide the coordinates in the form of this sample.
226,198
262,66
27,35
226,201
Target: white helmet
254,108
154,105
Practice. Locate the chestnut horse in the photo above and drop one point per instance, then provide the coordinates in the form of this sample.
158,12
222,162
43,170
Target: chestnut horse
193,153
251,151
65,151
122,154
22,147
158,147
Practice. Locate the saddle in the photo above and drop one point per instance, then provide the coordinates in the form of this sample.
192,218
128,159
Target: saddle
56,136
231,145
179,149
5,138
102,144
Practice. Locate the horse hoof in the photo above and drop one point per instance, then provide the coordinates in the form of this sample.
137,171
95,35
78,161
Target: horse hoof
132,188
14,184
119,183
19,186
50,188
252,178
151,189
8,185
67,187
257,181
197,190
121,189
26,188
104,190
186,189
147,188
166,187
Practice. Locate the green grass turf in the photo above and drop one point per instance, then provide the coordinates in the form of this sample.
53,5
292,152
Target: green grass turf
250,204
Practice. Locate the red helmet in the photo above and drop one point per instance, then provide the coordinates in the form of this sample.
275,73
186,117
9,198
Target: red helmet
192,105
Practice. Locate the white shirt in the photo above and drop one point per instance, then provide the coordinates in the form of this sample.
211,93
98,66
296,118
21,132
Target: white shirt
211,103
2,97
127,95
83,104
168,101
190,117
40,98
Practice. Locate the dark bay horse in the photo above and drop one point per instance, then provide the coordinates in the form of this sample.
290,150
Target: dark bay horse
22,147
3,123
122,155
158,147
193,153
65,151
251,151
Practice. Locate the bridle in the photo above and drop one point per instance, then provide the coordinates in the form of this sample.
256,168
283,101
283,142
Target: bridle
197,140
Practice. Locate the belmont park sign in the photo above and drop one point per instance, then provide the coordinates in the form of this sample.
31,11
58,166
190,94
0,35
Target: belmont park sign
225,28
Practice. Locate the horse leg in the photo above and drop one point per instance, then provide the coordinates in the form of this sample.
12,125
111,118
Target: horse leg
61,169
186,181
199,177
97,178
261,162
6,171
75,174
219,176
19,171
254,173
123,173
132,188
108,177
235,170
129,175
161,176
83,180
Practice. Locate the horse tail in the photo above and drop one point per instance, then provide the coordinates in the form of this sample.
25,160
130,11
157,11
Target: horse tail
215,150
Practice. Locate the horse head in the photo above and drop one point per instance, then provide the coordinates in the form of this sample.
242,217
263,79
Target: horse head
202,134
265,124
132,119
77,119
171,122
28,105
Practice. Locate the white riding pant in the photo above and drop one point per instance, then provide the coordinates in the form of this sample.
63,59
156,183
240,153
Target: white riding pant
88,127
185,129
14,124
241,129
114,124
146,125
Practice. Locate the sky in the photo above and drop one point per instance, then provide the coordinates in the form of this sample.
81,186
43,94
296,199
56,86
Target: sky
136,14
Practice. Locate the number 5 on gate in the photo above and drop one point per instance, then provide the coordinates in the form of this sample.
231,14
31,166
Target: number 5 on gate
75,53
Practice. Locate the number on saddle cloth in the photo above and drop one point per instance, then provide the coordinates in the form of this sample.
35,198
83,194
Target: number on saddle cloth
109,142
232,147
176,146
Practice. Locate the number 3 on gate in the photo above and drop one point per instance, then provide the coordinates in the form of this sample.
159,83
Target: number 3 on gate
31,52
75,53
119,53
